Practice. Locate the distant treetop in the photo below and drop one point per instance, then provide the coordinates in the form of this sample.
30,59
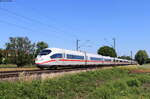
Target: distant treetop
107,51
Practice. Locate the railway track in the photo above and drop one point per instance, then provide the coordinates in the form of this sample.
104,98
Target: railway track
15,74
7,75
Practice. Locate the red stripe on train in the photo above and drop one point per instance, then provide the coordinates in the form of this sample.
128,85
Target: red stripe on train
74,61
46,62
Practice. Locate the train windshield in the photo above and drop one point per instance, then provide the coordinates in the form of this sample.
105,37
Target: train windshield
45,52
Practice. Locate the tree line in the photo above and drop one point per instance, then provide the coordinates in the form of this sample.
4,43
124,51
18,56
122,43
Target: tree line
141,56
21,51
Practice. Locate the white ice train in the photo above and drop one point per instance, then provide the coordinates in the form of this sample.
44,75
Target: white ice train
53,57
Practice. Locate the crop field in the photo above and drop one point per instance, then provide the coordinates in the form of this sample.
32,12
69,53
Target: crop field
114,83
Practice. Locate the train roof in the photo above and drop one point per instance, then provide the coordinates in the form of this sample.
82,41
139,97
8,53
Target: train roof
78,52
82,52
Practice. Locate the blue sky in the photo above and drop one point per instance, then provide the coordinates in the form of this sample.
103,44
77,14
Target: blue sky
93,22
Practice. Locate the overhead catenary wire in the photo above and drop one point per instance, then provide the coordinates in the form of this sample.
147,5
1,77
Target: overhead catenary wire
25,28
36,10
18,26
33,20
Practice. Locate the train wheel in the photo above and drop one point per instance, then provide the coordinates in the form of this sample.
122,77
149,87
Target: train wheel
55,67
40,67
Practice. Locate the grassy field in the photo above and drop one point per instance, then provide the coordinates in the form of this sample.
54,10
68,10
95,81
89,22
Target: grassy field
8,66
115,83
12,67
146,66
15,66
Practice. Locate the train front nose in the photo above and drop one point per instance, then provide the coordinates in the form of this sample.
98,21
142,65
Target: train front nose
39,59
42,58
40,62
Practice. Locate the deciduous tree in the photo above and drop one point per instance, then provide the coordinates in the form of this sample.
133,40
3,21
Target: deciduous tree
22,49
141,57
40,46
125,57
1,56
107,51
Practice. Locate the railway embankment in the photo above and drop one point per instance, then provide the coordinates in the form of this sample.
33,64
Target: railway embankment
37,74
15,74
110,83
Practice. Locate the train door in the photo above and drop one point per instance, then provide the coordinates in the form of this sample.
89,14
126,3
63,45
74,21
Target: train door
86,58
63,59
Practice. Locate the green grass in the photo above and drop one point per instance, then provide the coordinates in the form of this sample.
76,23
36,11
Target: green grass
8,65
101,84
14,66
146,66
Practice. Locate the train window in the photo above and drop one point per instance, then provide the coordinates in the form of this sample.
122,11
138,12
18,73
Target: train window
69,56
116,60
95,58
58,55
107,59
45,52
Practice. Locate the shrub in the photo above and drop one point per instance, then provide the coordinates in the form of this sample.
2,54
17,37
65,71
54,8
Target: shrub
133,83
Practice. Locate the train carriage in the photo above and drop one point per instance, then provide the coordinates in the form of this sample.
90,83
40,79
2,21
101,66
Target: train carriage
51,57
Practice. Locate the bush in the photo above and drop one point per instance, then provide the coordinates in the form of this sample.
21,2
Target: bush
134,83
148,61
1,58
1,61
